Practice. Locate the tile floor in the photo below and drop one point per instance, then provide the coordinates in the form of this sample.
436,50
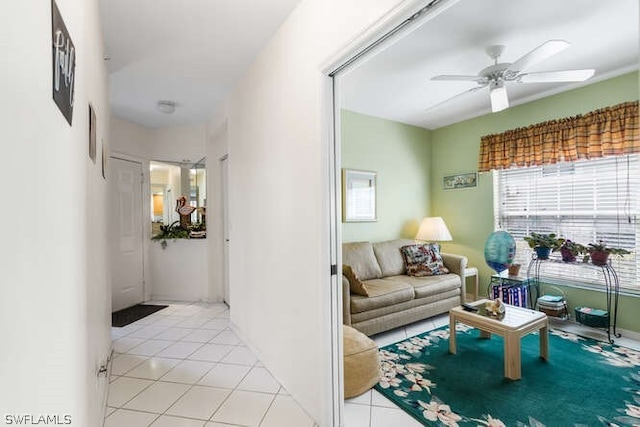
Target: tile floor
184,367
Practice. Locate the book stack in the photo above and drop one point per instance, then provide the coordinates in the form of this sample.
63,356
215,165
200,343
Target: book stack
553,305
511,293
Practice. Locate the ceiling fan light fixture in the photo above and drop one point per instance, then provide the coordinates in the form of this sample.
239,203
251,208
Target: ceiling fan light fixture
498,94
166,107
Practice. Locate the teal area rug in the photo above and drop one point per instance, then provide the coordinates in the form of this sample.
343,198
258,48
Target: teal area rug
584,383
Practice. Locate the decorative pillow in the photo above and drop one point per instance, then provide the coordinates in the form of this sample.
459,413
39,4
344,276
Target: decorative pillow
423,260
355,284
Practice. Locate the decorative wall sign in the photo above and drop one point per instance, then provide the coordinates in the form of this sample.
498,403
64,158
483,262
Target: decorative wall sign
92,134
460,181
358,196
64,64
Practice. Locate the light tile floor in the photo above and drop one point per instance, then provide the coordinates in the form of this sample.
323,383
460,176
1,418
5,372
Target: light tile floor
184,367
372,409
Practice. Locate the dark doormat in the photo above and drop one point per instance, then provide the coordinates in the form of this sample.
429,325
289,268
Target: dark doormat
125,316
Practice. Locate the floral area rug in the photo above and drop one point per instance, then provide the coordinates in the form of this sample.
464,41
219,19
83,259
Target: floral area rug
584,383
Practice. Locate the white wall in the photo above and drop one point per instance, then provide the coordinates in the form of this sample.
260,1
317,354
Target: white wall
135,142
279,206
174,144
98,277
181,144
54,314
129,138
179,272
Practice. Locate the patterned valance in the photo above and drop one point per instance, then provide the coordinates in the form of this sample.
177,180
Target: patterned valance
606,132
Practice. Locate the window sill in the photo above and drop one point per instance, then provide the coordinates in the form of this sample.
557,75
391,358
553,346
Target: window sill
587,286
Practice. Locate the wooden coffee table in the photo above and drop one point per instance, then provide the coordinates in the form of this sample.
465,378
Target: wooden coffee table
516,323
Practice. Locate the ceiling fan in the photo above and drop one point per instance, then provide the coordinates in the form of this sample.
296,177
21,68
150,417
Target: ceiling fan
495,76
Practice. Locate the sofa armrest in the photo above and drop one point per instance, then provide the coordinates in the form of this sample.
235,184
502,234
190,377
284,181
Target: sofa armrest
455,263
346,301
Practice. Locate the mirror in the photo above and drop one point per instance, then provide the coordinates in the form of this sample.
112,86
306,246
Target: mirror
175,187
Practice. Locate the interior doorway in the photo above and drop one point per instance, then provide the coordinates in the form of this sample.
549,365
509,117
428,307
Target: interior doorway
127,255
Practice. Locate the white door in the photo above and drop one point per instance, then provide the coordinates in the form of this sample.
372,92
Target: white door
224,167
127,277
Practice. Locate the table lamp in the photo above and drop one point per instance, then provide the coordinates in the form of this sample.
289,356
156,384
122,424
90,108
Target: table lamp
433,230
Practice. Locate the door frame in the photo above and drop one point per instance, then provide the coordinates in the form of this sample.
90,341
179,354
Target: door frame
399,22
224,197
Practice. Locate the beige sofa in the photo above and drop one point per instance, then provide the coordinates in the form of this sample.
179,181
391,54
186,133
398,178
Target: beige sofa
396,299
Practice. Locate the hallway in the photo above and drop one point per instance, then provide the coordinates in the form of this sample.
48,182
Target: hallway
183,366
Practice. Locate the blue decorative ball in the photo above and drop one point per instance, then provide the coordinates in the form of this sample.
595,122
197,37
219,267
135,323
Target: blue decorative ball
499,250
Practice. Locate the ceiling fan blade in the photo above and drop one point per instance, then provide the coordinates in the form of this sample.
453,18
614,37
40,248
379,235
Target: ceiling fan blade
478,79
542,52
454,97
556,76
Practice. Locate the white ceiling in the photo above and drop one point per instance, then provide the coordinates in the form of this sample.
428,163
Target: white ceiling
187,51
193,51
395,84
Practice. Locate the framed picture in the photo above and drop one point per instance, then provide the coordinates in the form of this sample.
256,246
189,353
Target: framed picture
92,134
358,195
462,180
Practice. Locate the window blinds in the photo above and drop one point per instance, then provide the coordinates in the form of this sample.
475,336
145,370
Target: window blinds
584,201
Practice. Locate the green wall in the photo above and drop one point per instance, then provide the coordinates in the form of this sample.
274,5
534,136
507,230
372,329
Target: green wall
400,155
469,212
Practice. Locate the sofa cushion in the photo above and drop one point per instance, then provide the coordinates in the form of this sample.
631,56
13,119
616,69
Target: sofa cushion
430,285
423,260
360,256
389,256
382,292
356,286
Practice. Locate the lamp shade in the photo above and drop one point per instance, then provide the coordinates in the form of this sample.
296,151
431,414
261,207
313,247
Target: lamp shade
433,229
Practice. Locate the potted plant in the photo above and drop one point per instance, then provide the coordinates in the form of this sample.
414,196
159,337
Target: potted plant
543,244
570,250
599,252
171,231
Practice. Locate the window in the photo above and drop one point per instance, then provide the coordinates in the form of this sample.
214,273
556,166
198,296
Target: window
168,182
584,201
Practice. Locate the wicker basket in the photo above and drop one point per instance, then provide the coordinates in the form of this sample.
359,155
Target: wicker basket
560,311
553,305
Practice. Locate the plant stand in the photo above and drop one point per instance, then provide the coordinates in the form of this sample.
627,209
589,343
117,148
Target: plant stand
611,284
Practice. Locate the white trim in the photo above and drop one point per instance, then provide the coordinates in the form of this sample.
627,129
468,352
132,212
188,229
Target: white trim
337,352
404,19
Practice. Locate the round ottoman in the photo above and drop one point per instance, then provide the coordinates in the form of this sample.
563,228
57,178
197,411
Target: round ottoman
361,362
